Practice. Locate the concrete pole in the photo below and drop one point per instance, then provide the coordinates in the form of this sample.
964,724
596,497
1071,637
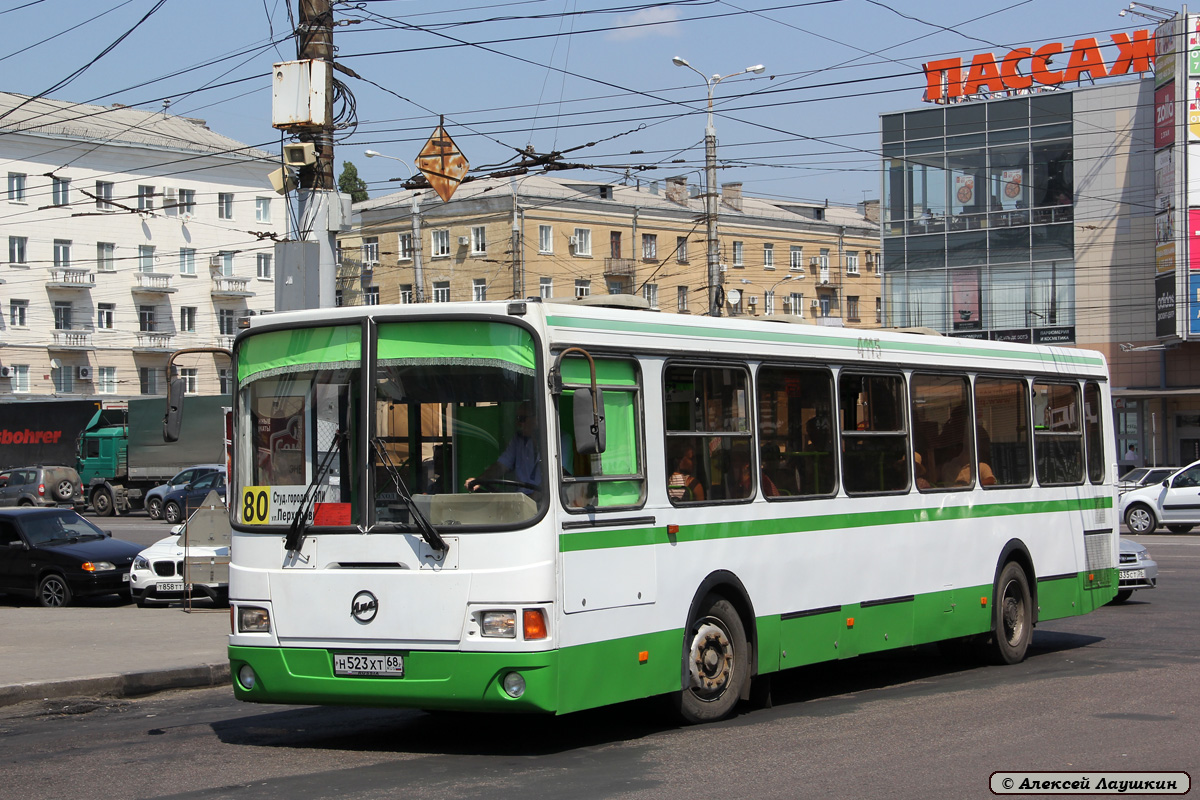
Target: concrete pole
418,270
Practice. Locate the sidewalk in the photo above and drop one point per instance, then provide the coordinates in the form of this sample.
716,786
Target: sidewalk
114,651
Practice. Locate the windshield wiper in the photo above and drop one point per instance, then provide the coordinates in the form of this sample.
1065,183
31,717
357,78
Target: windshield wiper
300,522
426,530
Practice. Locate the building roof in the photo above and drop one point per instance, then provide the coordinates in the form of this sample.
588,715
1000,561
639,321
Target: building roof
117,124
646,195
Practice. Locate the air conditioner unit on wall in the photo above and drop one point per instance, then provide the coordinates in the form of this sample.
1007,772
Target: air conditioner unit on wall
816,303
6,372
464,240
214,261
573,241
84,373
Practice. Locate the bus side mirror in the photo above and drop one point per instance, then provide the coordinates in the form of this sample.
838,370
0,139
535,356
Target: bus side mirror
173,421
589,422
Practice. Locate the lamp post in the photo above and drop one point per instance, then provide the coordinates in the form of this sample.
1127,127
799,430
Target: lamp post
710,171
418,272
769,289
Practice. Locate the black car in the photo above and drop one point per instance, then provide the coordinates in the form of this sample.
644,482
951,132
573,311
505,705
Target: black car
55,555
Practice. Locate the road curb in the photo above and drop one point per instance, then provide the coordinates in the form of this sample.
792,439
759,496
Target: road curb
126,684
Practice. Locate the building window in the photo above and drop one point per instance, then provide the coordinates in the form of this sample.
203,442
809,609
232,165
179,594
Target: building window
478,240
650,292
62,253
616,286
769,302
62,315
20,378
479,289
191,381
406,293
187,201
796,256
16,187
796,304
227,321
64,379
681,298
852,309
187,261
582,241
225,205
187,319
226,269
145,258
879,310
441,291
583,287
406,247
371,296
146,319
681,253
768,256
106,380
370,250
104,196
739,254
225,378
17,247
106,316
106,257
61,191
263,265
18,313
441,244
338,300
145,198
545,239
823,263
851,263
262,209
546,288
649,247
148,380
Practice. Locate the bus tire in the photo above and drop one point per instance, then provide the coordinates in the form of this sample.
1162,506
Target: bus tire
1012,617
716,663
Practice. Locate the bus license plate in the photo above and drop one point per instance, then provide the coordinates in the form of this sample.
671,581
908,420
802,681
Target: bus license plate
360,665
1133,574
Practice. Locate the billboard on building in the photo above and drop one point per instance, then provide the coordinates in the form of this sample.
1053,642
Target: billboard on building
1164,179
1164,306
1164,115
1164,242
1164,51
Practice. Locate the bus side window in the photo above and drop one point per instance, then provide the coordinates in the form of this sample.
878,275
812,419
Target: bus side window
1094,432
874,438
1058,434
795,429
943,456
1002,416
707,416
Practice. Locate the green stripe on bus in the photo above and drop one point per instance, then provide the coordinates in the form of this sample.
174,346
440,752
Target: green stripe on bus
635,537
926,345
276,349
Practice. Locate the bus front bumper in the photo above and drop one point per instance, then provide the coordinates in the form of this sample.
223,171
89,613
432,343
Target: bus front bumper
432,679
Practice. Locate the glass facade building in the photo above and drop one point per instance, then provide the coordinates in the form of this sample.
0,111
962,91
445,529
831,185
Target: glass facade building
978,219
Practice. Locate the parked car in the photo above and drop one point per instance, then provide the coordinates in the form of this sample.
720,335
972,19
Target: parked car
1137,570
1175,503
1138,477
157,573
54,555
154,497
178,504
41,486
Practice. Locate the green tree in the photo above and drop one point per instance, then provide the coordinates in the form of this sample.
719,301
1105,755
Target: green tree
349,183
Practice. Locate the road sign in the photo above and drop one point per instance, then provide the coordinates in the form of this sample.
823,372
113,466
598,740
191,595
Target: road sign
442,163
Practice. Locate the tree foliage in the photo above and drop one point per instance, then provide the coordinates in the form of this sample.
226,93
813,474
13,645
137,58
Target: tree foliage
349,183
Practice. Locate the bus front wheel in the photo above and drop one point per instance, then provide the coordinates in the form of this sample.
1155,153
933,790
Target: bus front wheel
1012,617
716,663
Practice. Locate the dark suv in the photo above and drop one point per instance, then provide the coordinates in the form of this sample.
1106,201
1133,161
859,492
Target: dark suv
41,486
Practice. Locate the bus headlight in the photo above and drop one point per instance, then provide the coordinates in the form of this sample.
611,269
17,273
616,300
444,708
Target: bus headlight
514,685
246,677
499,623
252,619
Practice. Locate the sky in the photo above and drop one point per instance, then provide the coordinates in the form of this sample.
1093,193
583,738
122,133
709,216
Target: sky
592,79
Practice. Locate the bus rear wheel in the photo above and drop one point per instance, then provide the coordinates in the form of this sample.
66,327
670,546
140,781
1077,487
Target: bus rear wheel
1012,617
716,663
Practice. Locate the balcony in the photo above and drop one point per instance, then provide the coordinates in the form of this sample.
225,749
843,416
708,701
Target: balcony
620,266
72,339
155,342
67,278
226,340
153,283
231,287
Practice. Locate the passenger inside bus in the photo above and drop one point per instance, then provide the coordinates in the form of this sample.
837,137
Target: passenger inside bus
682,483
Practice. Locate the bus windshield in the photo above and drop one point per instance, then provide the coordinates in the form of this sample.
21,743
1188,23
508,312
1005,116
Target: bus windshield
458,424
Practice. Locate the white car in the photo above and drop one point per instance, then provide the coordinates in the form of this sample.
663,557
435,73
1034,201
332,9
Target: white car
157,572
1175,503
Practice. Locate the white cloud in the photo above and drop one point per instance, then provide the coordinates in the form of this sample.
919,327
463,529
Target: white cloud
642,24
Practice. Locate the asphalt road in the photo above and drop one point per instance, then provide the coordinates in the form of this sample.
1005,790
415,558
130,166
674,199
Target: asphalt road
1114,690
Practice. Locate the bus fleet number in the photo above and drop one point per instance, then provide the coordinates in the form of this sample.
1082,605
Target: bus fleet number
869,347
256,505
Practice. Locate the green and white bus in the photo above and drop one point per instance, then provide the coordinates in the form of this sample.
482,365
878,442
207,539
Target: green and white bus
540,506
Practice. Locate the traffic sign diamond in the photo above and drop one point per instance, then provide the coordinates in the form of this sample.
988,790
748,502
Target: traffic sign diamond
442,163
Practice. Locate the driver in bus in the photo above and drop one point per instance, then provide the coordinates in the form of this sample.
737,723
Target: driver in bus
520,458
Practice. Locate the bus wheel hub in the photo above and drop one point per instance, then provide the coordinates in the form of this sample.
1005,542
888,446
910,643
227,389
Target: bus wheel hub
711,658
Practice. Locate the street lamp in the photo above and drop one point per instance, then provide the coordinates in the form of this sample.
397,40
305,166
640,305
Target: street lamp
418,272
769,289
710,165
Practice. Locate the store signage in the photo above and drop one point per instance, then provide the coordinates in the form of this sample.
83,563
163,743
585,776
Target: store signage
1016,335
1164,242
1194,304
1164,306
1023,69
1164,116
1194,240
1164,179
1053,335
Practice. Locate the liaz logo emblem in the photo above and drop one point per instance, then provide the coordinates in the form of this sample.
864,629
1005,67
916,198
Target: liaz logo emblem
364,607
